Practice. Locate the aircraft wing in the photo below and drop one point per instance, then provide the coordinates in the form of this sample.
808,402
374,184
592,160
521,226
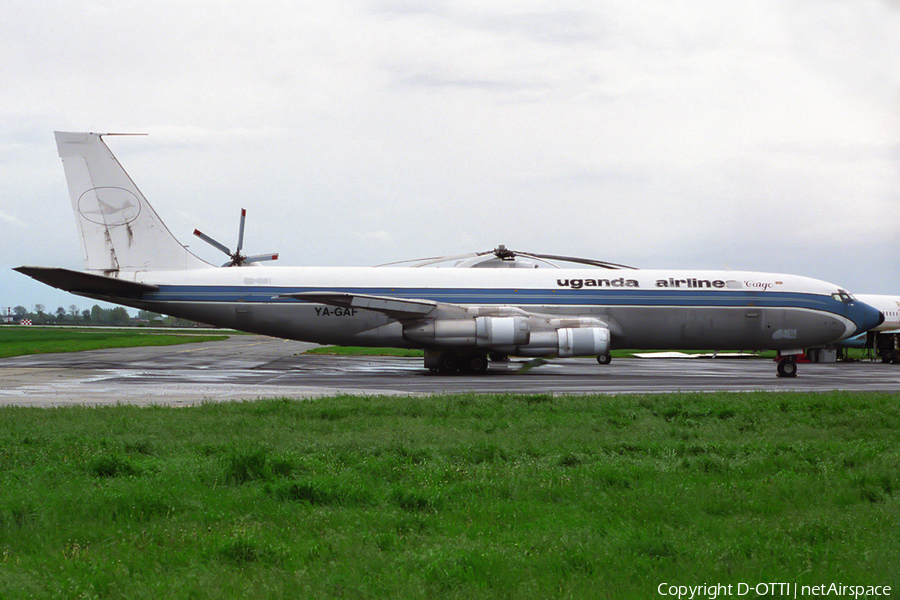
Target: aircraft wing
79,282
396,308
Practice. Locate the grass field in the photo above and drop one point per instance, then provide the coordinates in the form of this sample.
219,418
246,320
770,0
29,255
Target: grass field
449,496
364,351
18,340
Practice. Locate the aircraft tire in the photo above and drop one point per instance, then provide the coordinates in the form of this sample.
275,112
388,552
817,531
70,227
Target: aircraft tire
477,363
604,359
449,363
787,368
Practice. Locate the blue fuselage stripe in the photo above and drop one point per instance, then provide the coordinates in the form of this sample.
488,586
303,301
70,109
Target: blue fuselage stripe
515,297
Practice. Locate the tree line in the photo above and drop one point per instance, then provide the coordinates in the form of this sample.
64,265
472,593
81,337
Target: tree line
96,315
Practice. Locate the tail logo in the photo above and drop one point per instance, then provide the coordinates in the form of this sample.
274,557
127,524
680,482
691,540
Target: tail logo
109,206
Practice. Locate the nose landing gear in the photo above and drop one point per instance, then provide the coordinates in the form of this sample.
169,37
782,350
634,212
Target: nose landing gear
787,366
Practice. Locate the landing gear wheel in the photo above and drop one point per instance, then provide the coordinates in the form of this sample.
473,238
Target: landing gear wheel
449,363
604,359
477,364
787,367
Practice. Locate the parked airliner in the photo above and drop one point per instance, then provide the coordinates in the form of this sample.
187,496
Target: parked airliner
889,307
884,339
461,317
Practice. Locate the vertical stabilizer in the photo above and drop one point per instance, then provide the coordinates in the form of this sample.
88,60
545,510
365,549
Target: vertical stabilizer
119,229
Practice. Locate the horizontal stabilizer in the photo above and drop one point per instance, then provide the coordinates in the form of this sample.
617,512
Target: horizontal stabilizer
89,284
396,308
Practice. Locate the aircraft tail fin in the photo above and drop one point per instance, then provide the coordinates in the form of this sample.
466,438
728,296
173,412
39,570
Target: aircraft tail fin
119,229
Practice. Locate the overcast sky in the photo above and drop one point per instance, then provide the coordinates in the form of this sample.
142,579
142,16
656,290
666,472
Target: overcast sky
760,135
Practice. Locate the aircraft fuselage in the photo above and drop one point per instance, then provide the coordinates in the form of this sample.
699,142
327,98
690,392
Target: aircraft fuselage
642,308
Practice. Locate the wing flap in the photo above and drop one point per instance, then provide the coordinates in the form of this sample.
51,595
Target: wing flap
79,282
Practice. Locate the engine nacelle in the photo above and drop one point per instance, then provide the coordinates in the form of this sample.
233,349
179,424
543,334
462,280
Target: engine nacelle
511,335
583,341
443,332
502,331
481,332
564,342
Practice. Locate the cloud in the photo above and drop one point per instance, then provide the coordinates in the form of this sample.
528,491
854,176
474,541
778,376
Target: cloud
760,134
374,237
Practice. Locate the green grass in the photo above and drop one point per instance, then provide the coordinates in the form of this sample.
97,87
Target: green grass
458,496
365,351
854,353
17,341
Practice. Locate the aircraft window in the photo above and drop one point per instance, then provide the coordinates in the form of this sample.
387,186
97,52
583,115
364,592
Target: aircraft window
845,296
836,296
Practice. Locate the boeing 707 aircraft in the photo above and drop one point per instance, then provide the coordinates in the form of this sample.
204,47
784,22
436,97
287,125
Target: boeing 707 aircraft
460,317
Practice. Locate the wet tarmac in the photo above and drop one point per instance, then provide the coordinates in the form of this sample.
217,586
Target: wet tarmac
252,367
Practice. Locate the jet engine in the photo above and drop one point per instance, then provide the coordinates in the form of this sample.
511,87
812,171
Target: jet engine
481,332
583,341
510,335
566,342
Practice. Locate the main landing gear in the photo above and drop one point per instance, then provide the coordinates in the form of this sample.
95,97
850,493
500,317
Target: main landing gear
787,366
447,363
890,356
